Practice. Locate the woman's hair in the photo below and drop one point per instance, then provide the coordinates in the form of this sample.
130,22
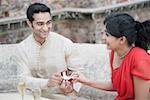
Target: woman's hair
143,35
36,8
122,24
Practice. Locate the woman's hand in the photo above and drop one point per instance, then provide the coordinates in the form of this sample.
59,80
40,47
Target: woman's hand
79,77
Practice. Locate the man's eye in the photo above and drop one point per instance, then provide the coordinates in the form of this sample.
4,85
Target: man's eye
49,22
40,24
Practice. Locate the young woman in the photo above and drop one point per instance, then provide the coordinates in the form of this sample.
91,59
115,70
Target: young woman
130,62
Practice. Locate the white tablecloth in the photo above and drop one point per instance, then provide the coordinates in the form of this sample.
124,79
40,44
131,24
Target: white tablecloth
16,96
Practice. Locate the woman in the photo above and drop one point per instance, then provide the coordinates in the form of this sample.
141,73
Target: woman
130,62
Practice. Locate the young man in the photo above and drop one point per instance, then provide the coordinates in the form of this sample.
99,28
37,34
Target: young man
45,54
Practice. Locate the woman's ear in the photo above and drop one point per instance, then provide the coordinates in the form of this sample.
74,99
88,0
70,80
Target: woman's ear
123,39
29,23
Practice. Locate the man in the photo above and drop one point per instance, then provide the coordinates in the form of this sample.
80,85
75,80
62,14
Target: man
45,54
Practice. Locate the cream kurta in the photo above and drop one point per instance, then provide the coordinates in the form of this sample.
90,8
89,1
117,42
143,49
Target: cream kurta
38,62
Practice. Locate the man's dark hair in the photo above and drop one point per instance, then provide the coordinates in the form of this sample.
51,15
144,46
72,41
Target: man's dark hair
36,8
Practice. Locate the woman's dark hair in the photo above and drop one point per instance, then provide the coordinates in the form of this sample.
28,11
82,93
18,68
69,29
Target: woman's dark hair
143,35
122,24
36,8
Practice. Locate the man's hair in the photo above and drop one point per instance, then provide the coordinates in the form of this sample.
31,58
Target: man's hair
36,8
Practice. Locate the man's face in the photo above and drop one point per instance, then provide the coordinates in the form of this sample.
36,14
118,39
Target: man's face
41,25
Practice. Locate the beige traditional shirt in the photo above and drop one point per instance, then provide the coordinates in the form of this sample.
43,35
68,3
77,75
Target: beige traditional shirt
38,62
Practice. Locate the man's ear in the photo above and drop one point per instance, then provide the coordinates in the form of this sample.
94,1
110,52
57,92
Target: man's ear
29,23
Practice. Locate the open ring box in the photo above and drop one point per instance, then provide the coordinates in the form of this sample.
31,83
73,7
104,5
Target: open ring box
65,76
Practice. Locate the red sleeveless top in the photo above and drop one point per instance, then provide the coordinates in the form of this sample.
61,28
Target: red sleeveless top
135,63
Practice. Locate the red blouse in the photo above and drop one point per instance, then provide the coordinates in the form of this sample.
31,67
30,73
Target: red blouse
135,63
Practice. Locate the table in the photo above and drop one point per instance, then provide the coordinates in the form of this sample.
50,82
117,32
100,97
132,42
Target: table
16,96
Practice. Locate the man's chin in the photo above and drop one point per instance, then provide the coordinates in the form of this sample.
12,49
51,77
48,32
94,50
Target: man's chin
45,36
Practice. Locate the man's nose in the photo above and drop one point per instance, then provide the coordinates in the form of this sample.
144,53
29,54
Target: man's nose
45,27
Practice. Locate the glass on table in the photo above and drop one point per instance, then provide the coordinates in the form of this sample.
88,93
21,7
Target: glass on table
36,92
21,89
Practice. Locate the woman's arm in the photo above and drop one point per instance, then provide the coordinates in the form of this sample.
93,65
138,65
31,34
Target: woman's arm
141,88
99,85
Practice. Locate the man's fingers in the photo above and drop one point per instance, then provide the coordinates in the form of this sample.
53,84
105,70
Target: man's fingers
57,74
66,86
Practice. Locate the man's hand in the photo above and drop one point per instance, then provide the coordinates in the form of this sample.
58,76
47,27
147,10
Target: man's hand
55,80
66,86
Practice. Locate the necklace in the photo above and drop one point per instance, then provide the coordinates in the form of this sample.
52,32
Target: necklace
123,56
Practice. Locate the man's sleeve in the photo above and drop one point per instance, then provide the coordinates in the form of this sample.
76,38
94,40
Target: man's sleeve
72,58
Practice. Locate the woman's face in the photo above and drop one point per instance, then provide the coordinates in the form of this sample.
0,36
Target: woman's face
111,41
103,35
